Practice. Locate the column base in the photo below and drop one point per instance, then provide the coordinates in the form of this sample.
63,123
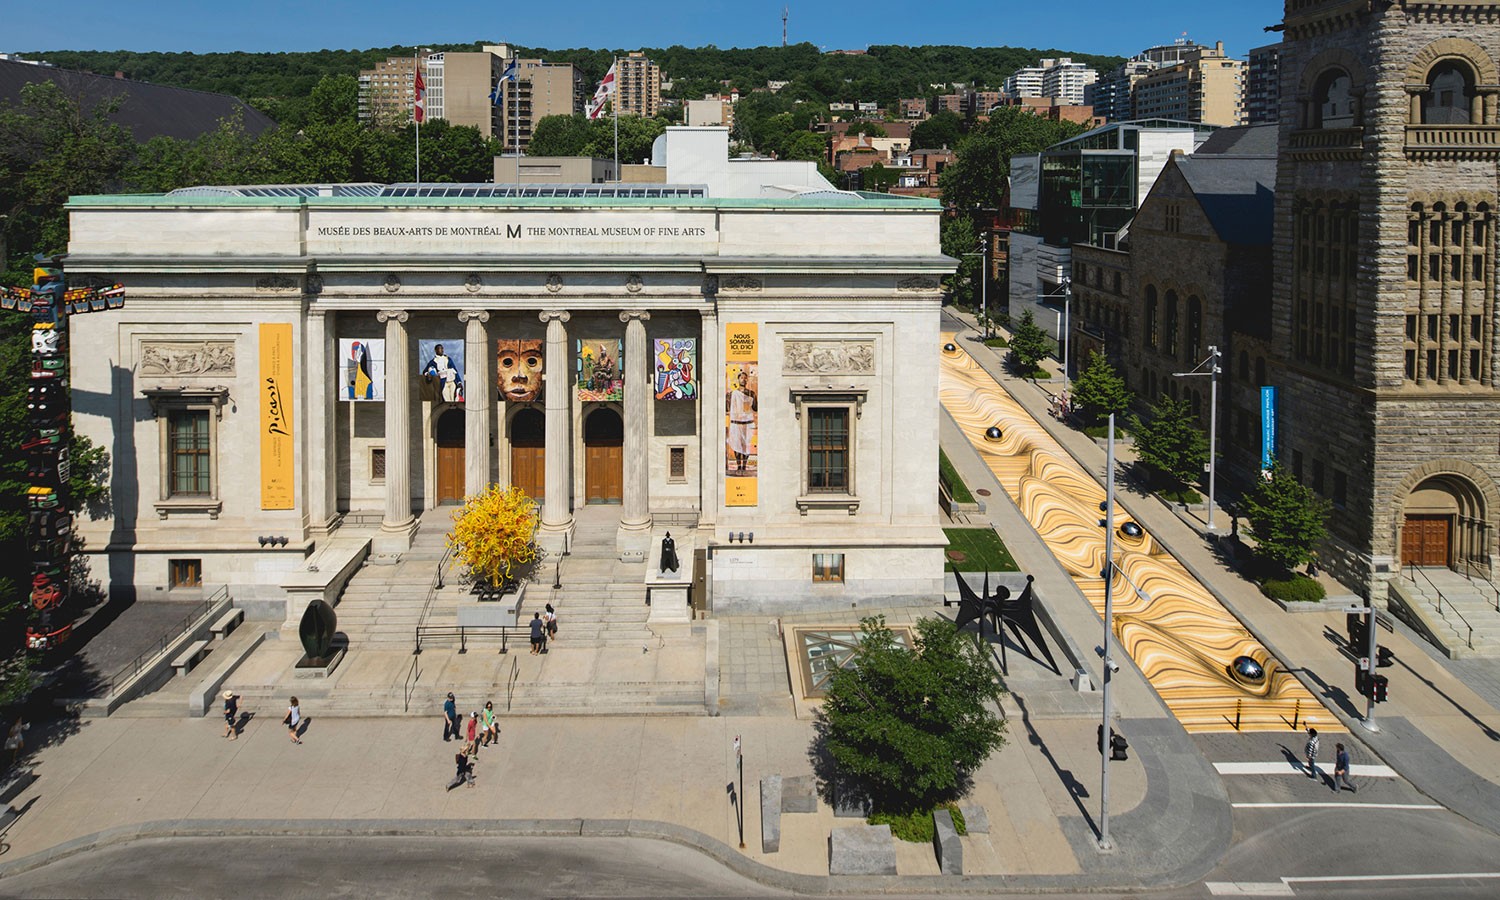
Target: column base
394,538
633,541
556,539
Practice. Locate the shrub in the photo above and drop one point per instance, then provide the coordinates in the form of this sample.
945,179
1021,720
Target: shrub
1296,589
918,827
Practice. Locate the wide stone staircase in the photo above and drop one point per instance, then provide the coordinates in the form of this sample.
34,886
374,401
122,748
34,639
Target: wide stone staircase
1459,614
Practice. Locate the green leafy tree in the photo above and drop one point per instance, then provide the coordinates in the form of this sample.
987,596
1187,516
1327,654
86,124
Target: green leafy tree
1099,390
1170,442
805,145
559,136
1287,519
944,129
868,129
911,726
1028,343
960,241
977,177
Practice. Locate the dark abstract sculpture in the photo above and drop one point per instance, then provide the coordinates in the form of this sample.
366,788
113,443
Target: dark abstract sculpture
1247,671
1018,614
668,554
317,630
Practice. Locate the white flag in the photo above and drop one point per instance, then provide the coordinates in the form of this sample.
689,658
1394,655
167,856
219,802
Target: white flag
606,88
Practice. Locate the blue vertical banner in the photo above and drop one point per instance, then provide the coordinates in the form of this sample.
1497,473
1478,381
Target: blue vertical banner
1267,427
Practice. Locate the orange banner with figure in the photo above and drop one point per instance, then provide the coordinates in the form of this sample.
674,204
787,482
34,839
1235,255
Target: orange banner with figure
277,463
741,414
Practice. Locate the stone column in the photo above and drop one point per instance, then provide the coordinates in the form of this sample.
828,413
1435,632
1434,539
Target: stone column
397,526
710,421
634,536
320,460
478,410
556,532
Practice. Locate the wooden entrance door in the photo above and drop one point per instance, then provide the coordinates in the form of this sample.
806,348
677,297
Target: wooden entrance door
603,458
1425,540
450,456
528,454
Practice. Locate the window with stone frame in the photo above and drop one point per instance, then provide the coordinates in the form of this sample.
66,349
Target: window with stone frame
1333,100
1449,98
1151,333
189,453
828,420
1325,250
1450,297
1169,344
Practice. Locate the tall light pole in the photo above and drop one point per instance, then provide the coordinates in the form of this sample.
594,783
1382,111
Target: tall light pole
1067,284
1108,573
984,289
1213,370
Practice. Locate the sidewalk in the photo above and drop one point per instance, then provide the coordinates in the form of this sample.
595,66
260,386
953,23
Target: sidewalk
1437,732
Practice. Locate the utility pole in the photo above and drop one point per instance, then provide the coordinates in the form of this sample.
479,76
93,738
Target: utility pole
1212,372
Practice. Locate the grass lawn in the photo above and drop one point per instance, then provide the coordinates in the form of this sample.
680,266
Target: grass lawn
956,486
997,342
982,550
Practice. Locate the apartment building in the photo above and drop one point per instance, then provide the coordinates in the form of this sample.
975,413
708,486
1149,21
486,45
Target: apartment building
1263,85
385,92
1061,79
914,108
639,79
1207,86
1113,94
953,103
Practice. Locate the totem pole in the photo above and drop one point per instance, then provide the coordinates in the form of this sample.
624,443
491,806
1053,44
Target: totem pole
49,522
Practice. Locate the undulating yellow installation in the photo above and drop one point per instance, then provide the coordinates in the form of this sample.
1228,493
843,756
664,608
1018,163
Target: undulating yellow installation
1173,627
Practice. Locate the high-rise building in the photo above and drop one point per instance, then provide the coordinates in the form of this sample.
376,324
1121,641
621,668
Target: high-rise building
459,86
385,92
1207,86
1059,78
1263,85
639,85
1113,94
541,89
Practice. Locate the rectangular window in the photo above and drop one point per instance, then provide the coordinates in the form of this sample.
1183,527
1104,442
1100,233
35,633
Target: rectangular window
185,573
188,449
828,567
827,449
1340,488
1297,464
1412,267
377,464
1317,479
677,464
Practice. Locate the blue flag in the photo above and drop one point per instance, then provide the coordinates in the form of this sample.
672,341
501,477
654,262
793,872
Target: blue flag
510,74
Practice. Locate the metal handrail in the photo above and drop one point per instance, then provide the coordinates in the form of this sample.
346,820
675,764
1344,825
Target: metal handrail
465,632
1483,579
1441,598
436,584
409,688
159,647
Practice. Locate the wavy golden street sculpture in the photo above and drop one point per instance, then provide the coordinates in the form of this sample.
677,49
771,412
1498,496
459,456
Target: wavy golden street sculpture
1175,630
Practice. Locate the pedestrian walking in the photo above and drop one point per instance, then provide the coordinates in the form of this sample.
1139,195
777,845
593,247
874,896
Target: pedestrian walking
538,634
1311,752
293,720
1341,769
465,771
231,714
550,618
488,724
472,747
450,718
15,739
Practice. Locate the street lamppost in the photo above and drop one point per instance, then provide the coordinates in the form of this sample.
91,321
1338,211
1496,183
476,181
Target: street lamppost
984,289
1105,734
1064,323
1213,370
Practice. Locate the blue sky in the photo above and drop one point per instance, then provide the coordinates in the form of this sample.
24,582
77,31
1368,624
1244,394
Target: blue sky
1093,26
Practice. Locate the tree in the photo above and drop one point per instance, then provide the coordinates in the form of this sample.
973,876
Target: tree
494,533
805,145
911,726
977,177
868,129
1170,442
1099,390
960,241
559,136
942,130
1028,343
1287,519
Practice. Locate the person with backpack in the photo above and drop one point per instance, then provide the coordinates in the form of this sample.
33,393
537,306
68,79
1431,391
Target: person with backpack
450,718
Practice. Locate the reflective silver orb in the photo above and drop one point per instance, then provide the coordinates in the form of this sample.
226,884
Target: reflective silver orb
1247,671
950,347
993,433
1131,530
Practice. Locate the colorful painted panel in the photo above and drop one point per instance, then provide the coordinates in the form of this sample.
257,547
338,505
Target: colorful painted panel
676,368
741,414
520,370
599,377
441,370
361,369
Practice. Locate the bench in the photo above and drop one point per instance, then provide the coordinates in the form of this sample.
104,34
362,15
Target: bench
227,622
189,657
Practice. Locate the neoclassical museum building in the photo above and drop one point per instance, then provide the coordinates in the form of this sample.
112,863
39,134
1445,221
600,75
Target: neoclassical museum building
750,356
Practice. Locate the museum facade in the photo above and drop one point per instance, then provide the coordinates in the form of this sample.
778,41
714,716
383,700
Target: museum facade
297,362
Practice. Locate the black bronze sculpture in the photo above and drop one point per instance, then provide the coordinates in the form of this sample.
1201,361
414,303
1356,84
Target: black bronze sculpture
668,554
317,630
1019,614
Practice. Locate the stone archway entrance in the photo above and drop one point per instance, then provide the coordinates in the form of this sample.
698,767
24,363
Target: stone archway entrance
1443,524
603,457
448,435
528,452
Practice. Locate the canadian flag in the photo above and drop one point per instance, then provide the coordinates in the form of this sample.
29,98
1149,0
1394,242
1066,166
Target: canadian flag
606,88
419,91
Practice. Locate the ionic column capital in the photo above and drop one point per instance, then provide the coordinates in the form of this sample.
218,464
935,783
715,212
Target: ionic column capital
471,315
550,315
626,315
386,315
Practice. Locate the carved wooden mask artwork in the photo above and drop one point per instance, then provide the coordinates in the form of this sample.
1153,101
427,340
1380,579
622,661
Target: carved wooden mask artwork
519,368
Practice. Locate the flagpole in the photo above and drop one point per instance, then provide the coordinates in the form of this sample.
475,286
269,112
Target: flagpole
614,66
515,90
416,101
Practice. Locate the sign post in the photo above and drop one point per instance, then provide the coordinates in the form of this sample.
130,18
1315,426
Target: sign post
739,758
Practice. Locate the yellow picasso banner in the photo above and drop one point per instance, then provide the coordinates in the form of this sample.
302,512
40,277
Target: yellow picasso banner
741,413
277,473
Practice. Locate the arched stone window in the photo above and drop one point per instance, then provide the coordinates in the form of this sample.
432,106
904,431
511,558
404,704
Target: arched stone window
1260,371
1449,99
1169,346
1333,100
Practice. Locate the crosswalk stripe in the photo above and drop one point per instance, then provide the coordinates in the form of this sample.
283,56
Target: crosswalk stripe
1249,889
1284,767
1336,805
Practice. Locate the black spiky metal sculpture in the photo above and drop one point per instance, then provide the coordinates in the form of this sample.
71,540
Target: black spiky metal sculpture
1018,614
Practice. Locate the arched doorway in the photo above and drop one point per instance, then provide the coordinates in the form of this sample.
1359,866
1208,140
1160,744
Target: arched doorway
603,460
1443,523
448,434
528,442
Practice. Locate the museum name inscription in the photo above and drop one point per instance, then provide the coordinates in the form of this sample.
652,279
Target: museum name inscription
513,232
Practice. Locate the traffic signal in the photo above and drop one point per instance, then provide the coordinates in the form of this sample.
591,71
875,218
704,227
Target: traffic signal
1117,743
1357,629
1384,657
1361,681
1382,686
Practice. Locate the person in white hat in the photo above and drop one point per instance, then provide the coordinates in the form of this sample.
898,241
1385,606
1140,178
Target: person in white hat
231,715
